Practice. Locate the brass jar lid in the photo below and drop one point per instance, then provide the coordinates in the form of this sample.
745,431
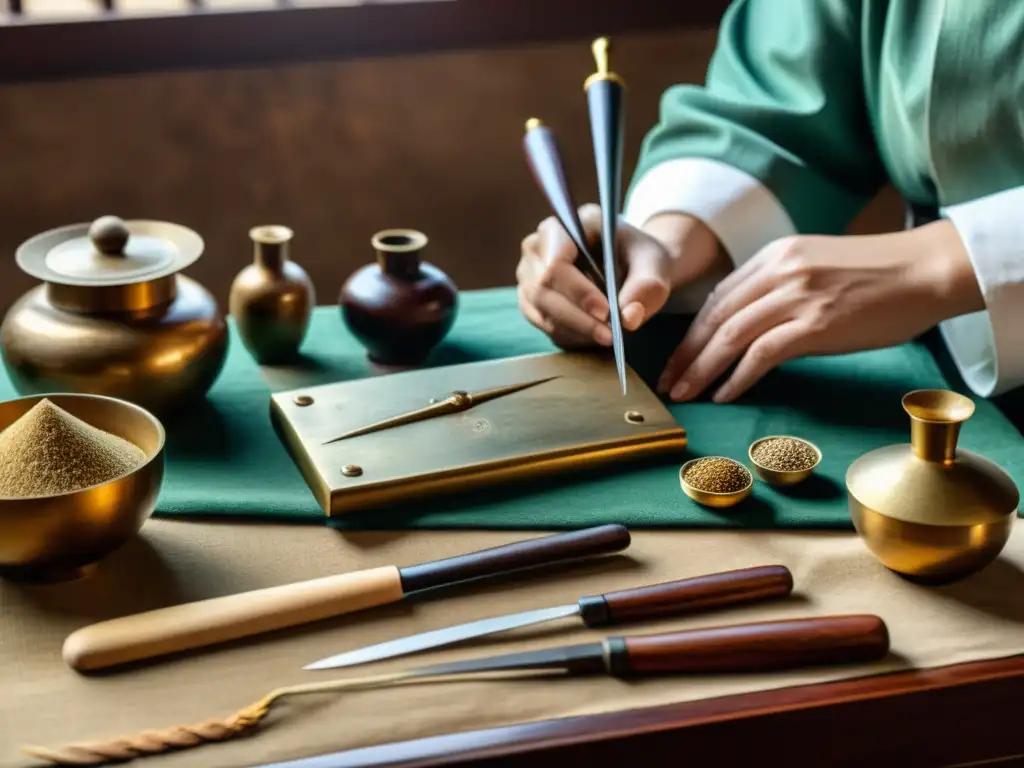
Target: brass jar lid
109,252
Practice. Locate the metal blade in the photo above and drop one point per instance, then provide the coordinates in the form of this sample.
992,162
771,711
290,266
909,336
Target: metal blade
589,657
441,637
606,102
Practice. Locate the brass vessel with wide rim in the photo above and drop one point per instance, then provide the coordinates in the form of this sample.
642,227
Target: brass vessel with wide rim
113,316
930,510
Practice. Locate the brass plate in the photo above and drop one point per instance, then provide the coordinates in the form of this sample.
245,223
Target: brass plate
574,420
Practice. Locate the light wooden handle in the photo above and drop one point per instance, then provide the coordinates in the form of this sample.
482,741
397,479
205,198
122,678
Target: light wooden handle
218,620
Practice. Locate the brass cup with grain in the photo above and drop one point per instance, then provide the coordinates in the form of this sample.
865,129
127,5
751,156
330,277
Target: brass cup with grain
716,481
51,536
784,459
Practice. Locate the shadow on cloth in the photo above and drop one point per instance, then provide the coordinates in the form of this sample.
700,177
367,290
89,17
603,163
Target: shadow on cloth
814,488
133,579
311,371
753,512
863,401
869,404
197,432
997,590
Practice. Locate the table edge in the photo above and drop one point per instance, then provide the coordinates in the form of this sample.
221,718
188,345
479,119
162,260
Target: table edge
505,741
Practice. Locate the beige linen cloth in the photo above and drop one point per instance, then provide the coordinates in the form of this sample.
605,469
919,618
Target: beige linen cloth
43,702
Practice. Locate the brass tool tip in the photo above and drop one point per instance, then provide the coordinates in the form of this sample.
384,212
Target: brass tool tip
532,123
602,49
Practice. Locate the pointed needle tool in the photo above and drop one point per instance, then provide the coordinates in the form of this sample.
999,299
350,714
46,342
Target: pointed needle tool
672,598
759,646
606,98
545,161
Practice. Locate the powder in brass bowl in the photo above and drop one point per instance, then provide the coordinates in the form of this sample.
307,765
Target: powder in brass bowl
717,475
47,451
784,454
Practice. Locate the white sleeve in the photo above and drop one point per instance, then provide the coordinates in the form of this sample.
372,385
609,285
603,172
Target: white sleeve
741,211
988,346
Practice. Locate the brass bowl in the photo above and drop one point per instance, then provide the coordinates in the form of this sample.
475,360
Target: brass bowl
930,554
783,477
710,498
928,510
52,538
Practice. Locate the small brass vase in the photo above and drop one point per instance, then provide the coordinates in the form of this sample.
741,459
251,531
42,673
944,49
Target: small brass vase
931,511
272,299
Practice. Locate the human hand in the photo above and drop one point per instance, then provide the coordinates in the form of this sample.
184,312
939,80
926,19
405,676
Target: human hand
818,295
557,298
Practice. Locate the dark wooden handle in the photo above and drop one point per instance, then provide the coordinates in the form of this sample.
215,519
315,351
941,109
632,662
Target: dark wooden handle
546,550
606,102
545,161
714,590
763,646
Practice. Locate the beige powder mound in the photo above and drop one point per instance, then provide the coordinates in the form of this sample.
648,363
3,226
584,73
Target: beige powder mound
48,451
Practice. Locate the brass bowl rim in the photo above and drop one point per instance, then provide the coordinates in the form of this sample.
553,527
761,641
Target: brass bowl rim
970,411
160,432
744,489
805,441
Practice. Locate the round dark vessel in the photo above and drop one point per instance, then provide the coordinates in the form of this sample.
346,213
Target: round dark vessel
401,307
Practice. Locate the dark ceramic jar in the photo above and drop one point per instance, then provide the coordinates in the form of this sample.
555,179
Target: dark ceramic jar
401,307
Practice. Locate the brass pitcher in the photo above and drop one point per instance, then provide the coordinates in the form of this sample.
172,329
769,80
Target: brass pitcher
930,510
113,316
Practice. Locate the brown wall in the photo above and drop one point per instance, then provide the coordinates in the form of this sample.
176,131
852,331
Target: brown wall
337,151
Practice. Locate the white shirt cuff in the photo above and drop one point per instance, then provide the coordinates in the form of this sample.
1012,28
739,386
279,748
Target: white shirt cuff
741,211
988,347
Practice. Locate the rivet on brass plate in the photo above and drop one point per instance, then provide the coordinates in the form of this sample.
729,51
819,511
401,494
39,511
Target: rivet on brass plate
303,400
634,417
351,470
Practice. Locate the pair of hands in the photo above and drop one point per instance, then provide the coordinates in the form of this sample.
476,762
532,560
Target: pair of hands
799,296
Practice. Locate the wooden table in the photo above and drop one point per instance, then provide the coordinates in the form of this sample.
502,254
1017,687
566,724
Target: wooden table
953,716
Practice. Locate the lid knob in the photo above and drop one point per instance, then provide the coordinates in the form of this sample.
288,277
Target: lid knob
109,235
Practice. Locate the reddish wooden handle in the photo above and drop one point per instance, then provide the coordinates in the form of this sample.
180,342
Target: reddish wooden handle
760,646
746,585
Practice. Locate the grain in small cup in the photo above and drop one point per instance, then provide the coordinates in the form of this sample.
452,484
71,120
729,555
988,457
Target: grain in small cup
716,481
784,459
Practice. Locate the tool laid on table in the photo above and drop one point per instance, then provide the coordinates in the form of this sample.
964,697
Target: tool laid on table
217,620
606,100
754,647
456,402
671,598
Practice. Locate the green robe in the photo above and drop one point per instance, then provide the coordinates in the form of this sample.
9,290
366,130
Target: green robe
811,106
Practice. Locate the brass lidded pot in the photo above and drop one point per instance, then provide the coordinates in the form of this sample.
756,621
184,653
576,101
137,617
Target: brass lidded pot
929,510
113,317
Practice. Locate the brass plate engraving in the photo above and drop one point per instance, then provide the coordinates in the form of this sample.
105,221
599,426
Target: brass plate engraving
570,417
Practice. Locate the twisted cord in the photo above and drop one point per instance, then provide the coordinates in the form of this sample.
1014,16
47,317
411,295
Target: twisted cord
180,737
152,742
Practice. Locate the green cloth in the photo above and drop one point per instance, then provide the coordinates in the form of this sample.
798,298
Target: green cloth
224,459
